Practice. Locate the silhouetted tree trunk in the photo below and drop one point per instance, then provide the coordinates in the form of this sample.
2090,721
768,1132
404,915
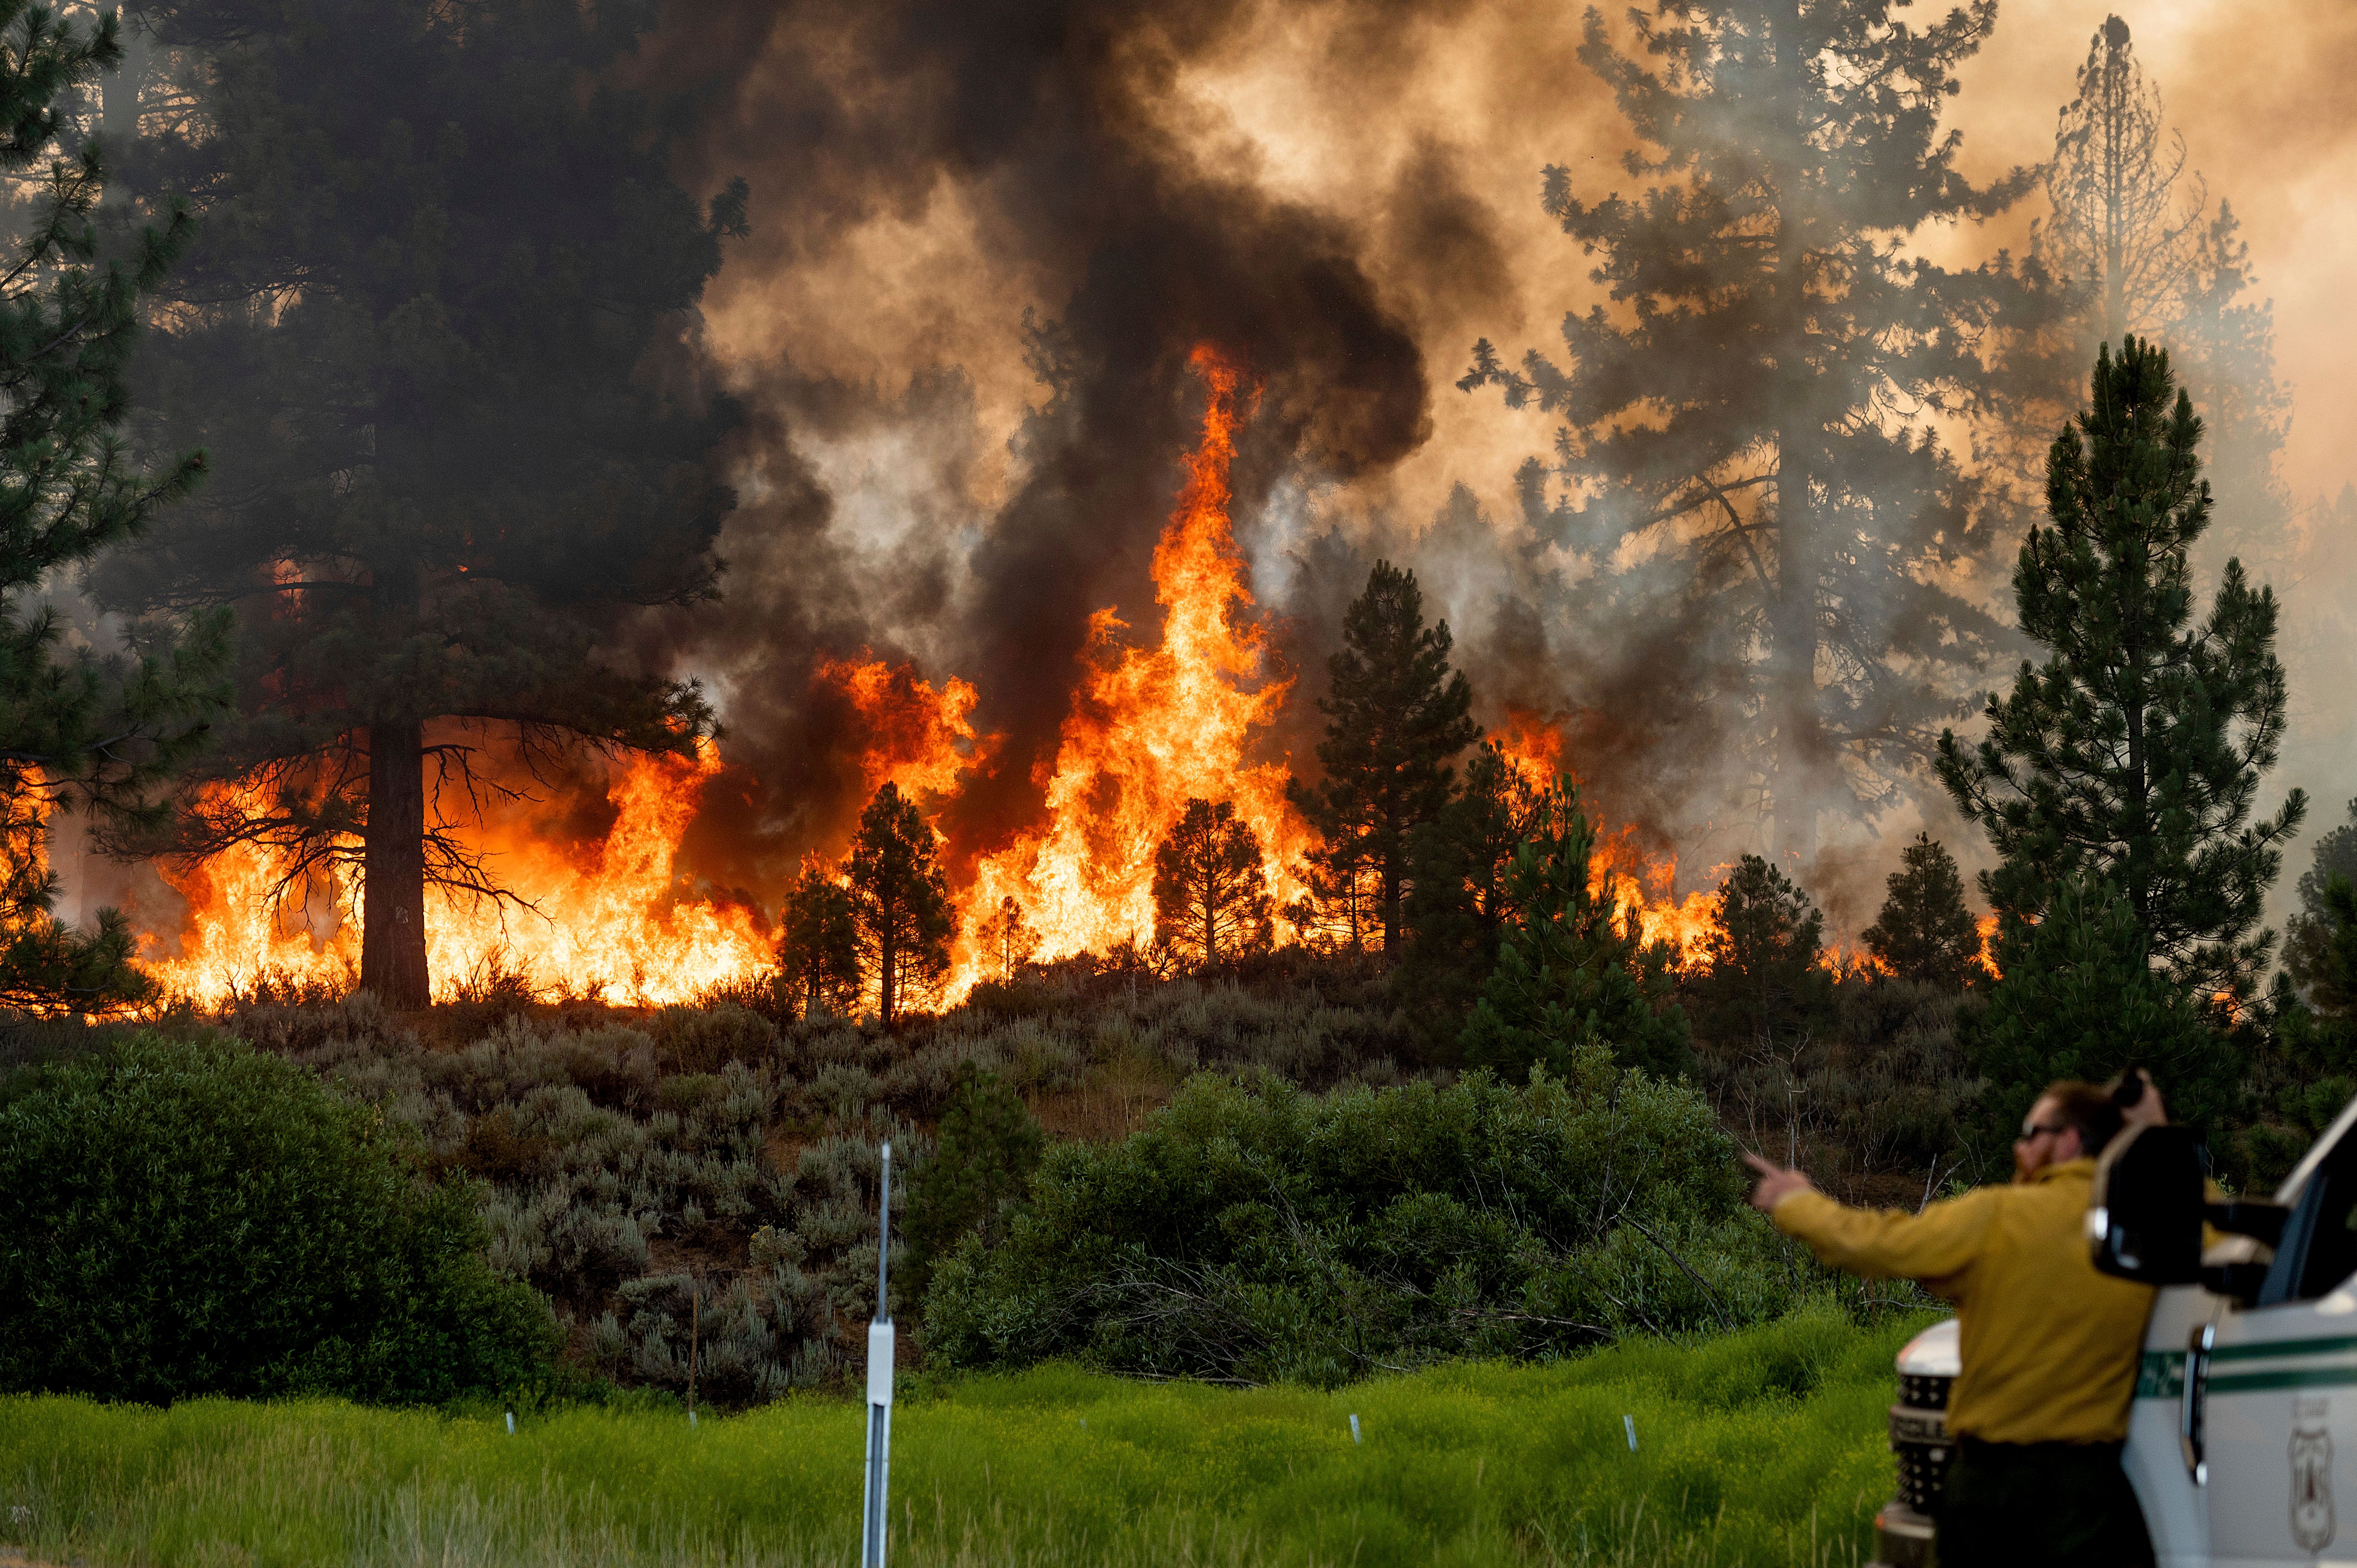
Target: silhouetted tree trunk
393,930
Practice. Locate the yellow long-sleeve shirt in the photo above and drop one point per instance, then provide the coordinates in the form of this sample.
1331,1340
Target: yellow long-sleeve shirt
2050,1347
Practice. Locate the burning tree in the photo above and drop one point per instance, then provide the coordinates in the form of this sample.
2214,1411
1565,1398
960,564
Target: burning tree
900,901
1395,714
93,731
2133,754
1210,897
1748,443
439,328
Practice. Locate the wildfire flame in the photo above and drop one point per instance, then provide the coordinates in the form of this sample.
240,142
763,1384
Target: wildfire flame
1151,728
1148,728
609,923
916,737
1645,883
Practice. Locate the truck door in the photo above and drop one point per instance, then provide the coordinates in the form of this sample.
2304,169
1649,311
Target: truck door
2273,1387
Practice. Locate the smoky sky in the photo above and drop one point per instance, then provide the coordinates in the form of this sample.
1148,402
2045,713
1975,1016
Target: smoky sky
987,238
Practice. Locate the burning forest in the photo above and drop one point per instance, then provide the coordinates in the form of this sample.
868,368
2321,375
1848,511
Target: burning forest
1013,421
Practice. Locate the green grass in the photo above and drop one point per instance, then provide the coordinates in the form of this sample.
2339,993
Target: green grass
1763,1448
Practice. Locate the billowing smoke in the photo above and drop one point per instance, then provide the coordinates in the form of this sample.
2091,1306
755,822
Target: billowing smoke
986,239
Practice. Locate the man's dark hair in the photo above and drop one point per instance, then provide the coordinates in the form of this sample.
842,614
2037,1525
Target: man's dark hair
2090,1111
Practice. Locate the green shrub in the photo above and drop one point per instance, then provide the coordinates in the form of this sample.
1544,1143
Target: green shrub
1255,1232
988,1147
192,1217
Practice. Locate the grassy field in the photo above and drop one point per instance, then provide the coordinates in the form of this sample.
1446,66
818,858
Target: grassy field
1763,1448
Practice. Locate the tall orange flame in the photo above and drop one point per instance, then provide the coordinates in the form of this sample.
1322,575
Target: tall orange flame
1151,728
1643,882
615,926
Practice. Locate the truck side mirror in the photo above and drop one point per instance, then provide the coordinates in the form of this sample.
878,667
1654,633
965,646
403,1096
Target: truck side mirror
2145,1217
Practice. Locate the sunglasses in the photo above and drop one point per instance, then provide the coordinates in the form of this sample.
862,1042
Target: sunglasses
2030,1129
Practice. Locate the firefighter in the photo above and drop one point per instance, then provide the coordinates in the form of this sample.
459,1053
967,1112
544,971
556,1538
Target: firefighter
2049,1347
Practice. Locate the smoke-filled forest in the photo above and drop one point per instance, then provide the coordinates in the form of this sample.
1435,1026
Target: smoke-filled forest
1317,653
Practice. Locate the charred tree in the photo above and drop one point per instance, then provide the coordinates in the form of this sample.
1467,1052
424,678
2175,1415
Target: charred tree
1748,443
440,325
1211,895
2132,756
1395,714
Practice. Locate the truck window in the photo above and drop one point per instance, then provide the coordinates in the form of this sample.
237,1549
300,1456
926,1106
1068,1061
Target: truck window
2319,1243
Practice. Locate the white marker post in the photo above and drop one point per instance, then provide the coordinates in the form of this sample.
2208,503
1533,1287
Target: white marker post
873,1519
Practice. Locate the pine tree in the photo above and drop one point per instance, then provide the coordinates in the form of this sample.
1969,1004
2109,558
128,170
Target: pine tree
88,730
1395,715
2313,930
1006,938
1760,979
2138,247
1211,895
2079,998
1749,449
1459,901
900,901
1925,932
2134,753
818,945
1570,974
440,324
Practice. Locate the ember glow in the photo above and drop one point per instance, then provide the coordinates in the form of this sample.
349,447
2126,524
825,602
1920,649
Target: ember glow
603,920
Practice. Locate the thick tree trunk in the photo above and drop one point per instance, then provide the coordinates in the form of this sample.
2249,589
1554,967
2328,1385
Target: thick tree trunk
888,956
393,936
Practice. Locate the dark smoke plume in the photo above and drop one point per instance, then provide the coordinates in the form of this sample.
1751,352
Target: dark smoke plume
1144,246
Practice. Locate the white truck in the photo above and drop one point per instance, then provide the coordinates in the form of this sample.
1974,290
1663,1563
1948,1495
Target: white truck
2245,1409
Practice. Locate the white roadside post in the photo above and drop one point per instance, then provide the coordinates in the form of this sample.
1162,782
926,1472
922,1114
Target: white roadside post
873,1519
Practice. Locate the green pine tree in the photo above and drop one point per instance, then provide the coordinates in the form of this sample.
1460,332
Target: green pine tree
1761,979
899,902
1396,715
2312,930
89,730
1459,901
2079,998
984,1156
2134,753
1568,973
440,322
1925,932
818,945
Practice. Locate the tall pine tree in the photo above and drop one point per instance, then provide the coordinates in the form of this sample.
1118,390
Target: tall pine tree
439,324
2133,755
2135,244
93,729
1747,443
1395,715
